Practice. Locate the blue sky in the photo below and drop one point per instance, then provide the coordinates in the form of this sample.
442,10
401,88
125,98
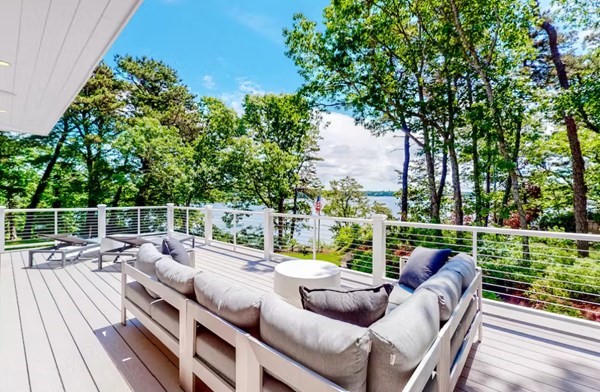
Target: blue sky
217,46
231,48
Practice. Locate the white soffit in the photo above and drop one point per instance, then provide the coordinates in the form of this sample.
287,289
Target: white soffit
51,48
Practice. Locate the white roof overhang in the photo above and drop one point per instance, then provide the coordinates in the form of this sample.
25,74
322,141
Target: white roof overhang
48,49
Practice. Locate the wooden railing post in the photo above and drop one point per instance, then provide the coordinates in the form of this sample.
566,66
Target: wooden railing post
378,248
101,221
2,228
268,230
208,232
170,218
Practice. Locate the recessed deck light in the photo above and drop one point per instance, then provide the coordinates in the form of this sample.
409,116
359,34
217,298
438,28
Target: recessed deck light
2,111
4,63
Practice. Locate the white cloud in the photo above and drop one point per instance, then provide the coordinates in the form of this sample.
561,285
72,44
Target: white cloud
208,81
235,99
348,149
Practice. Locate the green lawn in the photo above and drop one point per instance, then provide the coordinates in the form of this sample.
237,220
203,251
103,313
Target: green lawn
330,257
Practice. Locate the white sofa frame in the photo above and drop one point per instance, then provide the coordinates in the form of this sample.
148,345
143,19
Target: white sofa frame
172,297
252,355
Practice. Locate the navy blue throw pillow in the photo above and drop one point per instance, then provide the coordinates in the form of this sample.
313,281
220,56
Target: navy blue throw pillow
172,247
422,264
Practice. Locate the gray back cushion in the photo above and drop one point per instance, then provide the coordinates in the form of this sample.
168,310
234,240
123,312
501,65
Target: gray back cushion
177,276
172,247
446,284
464,265
398,296
145,261
400,341
235,303
146,258
360,307
336,350
422,264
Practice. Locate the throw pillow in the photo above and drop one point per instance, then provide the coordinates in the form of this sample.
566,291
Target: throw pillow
172,247
360,307
422,264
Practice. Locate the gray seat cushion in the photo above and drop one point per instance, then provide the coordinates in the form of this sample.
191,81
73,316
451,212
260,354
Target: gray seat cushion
398,296
177,276
220,356
360,307
464,265
400,340
422,264
217,353
235,303
174,248
166,315
138,294
336,350
447,285
145,261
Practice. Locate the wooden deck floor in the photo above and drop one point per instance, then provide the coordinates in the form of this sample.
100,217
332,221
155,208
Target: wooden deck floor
60,330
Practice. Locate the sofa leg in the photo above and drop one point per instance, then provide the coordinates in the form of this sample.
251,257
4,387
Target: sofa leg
123,315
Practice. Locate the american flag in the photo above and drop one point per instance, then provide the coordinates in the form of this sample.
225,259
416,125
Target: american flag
318,205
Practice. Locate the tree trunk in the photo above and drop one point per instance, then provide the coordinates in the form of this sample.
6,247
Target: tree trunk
43,183
577,162
472,57
476,177
429,162
405,168
451,144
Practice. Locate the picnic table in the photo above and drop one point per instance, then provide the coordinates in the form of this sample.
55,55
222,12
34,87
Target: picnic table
64,244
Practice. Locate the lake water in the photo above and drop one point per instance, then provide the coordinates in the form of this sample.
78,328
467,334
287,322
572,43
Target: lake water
304,235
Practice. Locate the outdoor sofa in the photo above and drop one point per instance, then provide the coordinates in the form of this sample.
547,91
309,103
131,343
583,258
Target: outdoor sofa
235,339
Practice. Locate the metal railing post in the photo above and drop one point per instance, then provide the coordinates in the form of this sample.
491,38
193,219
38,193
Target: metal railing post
55,221
378,248
314,238
474,251
187,221
139,221
170,218
208,228
268,233
101,221
2,228
234,231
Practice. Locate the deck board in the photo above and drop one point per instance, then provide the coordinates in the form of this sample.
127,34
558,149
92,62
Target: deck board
60,330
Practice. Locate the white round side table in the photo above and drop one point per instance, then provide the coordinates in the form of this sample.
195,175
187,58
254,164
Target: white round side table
314,274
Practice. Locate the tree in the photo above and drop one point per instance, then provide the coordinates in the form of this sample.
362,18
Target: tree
346,199
155,91
276,150
579,188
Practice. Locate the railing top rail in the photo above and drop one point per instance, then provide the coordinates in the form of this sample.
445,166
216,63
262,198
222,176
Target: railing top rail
9,210
323,218
498,230
136,208
234,211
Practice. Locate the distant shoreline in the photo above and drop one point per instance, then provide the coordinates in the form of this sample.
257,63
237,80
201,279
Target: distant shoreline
379,193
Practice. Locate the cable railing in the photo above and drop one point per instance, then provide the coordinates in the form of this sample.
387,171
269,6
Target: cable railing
537,269
345,242
26,228
136,220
